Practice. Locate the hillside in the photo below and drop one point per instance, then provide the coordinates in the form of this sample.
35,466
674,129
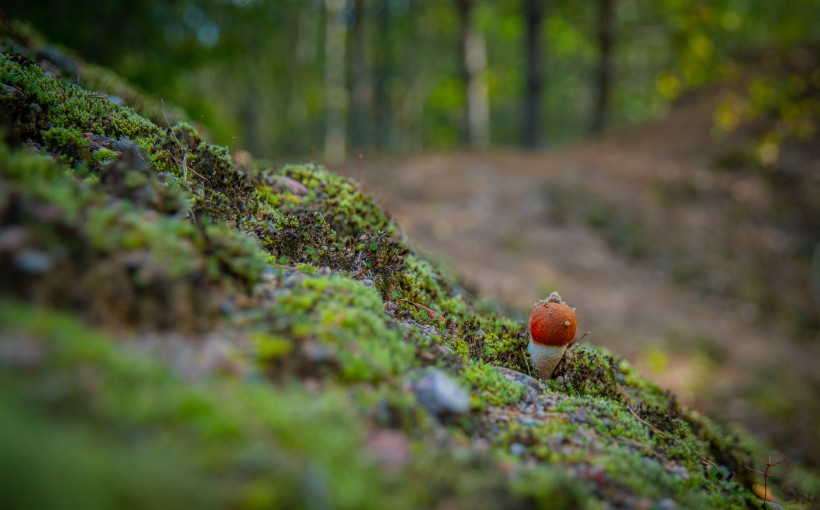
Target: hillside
696,271
180,329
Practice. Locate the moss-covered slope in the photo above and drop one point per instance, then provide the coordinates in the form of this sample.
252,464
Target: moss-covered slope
180,330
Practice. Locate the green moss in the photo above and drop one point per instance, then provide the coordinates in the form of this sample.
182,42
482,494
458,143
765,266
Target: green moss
103,156
490,385
339,323
125,262
495,340
69,143
348,210
65,105
588,371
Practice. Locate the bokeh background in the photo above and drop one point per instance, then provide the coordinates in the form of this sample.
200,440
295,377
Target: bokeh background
656,161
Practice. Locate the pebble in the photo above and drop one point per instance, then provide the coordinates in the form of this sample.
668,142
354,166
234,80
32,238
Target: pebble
317,353
518,449
440,394
8,91
666,504
21,352
679,471
581,416
292,185
532,387
63,62
33,262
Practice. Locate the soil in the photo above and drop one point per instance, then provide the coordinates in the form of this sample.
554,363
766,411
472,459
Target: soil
508,222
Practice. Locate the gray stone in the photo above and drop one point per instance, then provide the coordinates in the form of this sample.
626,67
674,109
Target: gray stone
532,387
440,394
518,449
667,504
33,262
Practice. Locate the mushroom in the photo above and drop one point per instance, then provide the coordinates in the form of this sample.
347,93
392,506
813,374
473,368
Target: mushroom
552,330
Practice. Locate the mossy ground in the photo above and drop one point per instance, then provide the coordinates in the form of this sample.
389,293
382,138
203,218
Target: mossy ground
243,337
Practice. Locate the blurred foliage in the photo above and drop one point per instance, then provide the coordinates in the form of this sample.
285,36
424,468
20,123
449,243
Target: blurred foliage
252,70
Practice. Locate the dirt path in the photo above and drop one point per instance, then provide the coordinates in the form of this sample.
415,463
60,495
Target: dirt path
493,215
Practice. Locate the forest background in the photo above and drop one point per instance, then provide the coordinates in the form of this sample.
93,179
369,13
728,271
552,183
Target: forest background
327,79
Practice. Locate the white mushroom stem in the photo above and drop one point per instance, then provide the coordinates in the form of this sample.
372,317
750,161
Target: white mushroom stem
545,359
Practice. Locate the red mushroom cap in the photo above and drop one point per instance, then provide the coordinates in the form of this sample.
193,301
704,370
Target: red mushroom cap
552,324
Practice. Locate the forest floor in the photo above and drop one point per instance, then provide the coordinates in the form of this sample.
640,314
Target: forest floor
619,226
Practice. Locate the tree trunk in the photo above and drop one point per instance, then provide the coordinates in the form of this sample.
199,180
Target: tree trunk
335,90
382,60
603,82
474,72
532,100
360,90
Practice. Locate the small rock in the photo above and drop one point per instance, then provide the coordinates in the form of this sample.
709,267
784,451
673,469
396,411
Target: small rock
557,441
63,62
12,238
390,449
532,388
679,471
33,262
581,416
21,353
440,394
292,185
666,504
8,91
518,449
317,353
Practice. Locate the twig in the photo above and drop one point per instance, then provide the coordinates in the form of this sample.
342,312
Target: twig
167,123
642,447
526,363
433,314
651,427
184,166
766,474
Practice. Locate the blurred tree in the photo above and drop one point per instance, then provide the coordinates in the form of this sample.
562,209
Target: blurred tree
382,59
280,76
335,90
359,80
603,79
474,74
534,16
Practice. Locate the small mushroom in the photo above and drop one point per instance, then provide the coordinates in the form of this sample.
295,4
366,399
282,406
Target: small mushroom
552,330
